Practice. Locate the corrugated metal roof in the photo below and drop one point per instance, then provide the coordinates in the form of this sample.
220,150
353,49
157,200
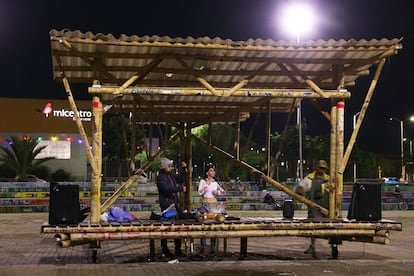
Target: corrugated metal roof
210,67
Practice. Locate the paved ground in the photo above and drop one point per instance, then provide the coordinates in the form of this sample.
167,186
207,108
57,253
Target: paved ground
24,251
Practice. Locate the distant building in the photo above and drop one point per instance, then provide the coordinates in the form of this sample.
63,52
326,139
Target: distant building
52,123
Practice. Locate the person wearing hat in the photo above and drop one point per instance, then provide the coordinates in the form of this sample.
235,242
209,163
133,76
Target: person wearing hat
168,194
314,187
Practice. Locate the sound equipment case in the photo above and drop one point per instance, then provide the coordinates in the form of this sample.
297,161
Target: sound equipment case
64,206
365,202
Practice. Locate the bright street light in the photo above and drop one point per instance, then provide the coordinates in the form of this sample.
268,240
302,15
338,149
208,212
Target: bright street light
402,142
298,19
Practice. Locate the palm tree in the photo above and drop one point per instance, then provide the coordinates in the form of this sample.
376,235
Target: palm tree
20,156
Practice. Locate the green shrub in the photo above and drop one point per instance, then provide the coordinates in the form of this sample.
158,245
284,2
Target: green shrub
61,175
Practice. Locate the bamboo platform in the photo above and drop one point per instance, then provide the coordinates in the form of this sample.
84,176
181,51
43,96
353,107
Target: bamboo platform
334,230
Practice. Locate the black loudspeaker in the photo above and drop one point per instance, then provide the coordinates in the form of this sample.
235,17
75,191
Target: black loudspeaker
64,206
288,209
365,202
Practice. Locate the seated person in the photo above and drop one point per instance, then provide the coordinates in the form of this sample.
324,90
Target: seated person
268,199
397,190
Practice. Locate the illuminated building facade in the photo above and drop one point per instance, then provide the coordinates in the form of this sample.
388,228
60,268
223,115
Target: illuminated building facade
51,123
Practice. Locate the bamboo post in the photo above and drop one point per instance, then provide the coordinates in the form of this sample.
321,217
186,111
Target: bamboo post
339,155
332,165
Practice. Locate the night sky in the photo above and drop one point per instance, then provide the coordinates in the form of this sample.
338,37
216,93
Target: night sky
26,58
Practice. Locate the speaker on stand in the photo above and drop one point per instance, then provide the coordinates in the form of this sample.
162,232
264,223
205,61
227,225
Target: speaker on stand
64,206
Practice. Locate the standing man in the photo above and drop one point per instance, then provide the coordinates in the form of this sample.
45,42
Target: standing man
315,187
168,194
183,181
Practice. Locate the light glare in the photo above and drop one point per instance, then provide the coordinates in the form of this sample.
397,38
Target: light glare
297,19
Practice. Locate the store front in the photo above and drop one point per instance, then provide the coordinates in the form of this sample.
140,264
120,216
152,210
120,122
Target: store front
52,123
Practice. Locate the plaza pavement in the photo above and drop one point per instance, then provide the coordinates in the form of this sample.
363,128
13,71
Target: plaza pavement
25,251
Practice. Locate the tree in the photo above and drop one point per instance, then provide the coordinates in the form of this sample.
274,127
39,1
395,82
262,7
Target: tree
20,156
222,136
143,158
116,134
314,148
289,148
114,131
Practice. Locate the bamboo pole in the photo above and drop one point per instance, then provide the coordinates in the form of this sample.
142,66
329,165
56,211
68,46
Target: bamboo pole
69,243
77,237
361,116
370,239
215,226
332,161
209,86
316,88
62,237
78,121
96,179
339,179
248,78
130,81
279,93
80,240
237,87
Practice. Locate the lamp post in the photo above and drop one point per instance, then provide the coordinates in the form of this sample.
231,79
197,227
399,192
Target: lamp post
402,142
354,117
299,120
299,19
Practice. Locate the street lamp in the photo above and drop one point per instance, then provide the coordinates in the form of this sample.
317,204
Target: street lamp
299,120
298,19
402,142
354,118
